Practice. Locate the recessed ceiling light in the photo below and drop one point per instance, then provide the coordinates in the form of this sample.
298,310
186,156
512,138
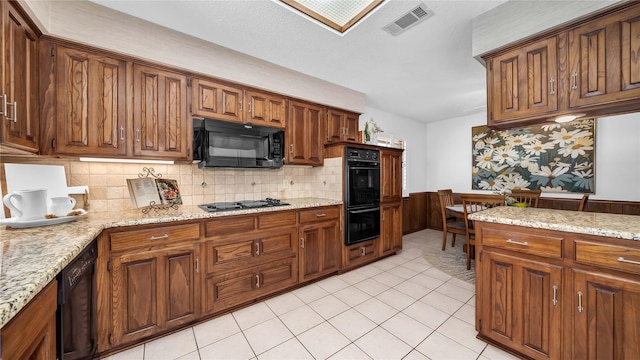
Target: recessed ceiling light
339,15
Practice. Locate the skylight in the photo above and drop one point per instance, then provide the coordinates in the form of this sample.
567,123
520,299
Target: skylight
339,15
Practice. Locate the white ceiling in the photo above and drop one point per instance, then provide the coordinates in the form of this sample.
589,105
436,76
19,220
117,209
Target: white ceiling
426,73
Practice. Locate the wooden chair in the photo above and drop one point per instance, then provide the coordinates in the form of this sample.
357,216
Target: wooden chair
583,202
530,197
474,203
450,224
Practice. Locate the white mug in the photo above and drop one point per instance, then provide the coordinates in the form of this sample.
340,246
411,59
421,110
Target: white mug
61,205
27,204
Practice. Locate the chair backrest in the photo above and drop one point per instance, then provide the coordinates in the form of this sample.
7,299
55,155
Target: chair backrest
583,202
478,202
446,199
530,197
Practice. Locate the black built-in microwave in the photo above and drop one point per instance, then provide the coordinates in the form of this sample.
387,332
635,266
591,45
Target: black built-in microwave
226,144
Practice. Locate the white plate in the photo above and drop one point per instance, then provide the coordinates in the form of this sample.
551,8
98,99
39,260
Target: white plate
15,223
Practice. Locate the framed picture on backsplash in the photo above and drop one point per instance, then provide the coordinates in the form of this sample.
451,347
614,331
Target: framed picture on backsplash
553,158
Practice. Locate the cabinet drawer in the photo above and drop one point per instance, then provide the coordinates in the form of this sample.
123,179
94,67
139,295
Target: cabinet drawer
156,236
610,256
541,245
277,219
229,226
319,214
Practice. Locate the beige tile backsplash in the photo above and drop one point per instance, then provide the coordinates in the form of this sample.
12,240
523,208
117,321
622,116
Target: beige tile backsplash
108,186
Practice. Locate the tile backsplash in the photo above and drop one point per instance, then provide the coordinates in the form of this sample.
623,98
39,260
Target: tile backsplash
108,187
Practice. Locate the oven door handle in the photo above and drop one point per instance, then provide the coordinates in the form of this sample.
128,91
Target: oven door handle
364,168
364,211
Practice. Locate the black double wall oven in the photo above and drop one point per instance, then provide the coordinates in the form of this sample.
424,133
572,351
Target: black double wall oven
362,195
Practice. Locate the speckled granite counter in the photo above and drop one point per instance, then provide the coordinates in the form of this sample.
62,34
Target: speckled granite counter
600,224
30,258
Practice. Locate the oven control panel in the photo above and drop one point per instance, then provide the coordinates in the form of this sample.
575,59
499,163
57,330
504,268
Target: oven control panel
368,155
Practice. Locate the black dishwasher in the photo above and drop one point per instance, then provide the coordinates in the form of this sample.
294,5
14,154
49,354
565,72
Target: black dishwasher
75,317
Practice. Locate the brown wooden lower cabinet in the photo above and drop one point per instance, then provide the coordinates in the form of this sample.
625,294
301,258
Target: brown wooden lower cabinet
31,334
390,228
360,253
577,298
320,242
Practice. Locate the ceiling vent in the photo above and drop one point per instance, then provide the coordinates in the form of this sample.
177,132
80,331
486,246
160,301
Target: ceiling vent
409,20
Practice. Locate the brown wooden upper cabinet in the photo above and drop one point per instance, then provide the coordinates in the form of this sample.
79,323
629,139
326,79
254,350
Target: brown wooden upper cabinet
341,126
604,65
19,106
391,175
234,103
592,69
88,116
304,134
523,81
160,120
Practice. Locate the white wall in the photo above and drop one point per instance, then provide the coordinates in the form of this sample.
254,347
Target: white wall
448,156
413,133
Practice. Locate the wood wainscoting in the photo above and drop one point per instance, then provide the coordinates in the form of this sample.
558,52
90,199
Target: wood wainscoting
422,210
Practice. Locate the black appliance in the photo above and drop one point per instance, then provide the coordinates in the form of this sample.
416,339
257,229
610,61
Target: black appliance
240,205
362,195
76,313
218,143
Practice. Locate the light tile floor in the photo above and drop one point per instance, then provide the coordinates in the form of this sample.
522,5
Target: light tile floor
397,308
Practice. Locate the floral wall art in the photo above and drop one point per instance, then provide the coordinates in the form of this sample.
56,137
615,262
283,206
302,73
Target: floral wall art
552,158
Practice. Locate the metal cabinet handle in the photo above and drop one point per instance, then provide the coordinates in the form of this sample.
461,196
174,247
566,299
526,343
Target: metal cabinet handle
574,80
257,280
321,215
197,265
555,295
552,89
363,251
518,242
580,308
121,132
153,237
623,260
302,243
257,245
240,104
249,107
4,105
291,148
137,135
15,112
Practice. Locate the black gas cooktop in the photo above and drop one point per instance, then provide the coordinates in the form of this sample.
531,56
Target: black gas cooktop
240,205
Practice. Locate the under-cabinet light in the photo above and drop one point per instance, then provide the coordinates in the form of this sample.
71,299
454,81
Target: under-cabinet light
130,161
567,118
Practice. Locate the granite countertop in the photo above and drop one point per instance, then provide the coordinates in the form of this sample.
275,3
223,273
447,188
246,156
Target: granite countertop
30,258
600,224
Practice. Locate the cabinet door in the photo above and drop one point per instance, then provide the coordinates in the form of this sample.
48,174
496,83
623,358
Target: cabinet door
390,228
604,66
217,101
360,253
90,106
606,314
265,109
153,291
21,123
391,172
524,82
351,127
160,119
520,304
335,126
320,246
304,131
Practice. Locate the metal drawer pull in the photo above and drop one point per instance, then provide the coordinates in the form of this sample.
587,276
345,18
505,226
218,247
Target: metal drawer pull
321,215
291,148
15,112
257,248
517,242
555,295
257,281
137,135
552,87
4,104
580,308
574,80
621,259
363,251
165,236
302,243
121,132
197,266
